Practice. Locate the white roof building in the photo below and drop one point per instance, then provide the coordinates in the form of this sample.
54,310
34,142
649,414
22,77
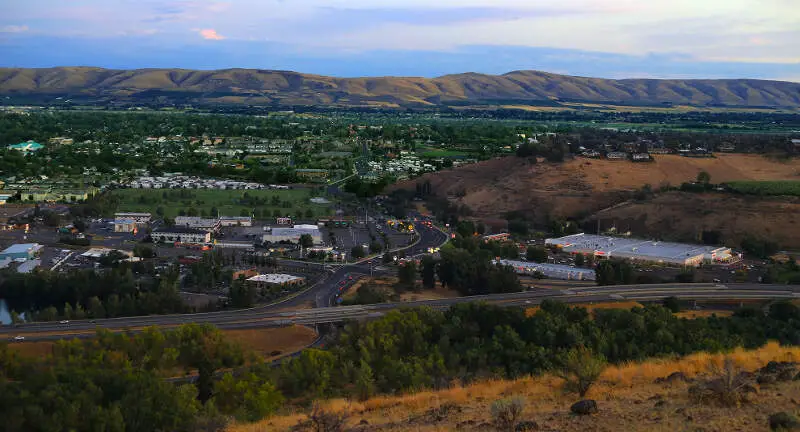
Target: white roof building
275,279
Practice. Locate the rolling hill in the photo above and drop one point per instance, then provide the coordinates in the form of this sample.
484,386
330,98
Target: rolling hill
283,88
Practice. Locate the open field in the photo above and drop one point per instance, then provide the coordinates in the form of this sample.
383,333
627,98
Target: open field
388,283
627,398
293,202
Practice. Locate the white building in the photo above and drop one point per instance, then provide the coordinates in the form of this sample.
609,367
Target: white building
139,218
277,235
553,271
199,223
276,279
124,226
641,250
227,221
181,235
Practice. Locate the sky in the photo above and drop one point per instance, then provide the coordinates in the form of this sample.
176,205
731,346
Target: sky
603,38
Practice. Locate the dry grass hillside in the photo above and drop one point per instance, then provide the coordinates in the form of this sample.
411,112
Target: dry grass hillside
683,216
583,186
627,396
267,86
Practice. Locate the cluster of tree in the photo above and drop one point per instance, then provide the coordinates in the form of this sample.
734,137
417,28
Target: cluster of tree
116,292
115,382
420,348
783,273
466,266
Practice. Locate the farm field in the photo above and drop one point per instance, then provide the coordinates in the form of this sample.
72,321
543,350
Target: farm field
206,202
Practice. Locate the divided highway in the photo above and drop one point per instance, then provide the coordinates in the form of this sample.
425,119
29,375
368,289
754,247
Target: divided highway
324,292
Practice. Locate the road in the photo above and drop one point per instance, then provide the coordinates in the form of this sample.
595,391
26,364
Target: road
283,314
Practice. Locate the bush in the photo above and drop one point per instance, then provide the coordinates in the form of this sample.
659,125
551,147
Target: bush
582,368
730,387
506,413
323,420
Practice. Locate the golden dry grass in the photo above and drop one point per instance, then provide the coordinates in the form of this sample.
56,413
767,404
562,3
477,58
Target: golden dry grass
33,349
624,393
265,341
703,314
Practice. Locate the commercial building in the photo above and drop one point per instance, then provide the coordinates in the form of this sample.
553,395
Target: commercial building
97,253
227,221
292,235
139,218
4,198
21,252
125,226
204,224
553,271
275,279
181,235
641,250
29,266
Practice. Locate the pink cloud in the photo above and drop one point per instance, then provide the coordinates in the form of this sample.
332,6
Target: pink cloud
14,29
211,34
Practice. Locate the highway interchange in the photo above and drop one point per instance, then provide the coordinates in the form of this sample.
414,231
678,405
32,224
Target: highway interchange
323,295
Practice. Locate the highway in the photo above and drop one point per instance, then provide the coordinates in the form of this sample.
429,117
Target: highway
323,295
275,316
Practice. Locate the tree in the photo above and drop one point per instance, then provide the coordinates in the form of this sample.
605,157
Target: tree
143,251
206,349
357,252
306,241
672,303
96,308
407,274
246,398
364,381
375,247
703,177
536,254
580,260
581,369
428,272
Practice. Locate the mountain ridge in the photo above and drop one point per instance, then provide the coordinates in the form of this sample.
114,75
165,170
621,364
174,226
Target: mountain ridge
278,87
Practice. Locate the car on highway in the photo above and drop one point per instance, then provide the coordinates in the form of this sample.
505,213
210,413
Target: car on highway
64,322
19,338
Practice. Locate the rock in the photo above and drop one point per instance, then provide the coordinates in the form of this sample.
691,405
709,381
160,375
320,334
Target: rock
526,426
673,378
797,377
767,379
660,404
786,375
584,407
774,367
363,422
784,421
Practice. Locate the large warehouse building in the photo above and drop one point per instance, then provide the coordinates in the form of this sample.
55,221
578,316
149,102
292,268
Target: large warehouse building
277,235
552,271
641,250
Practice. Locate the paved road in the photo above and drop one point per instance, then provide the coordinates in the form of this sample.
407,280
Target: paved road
274,316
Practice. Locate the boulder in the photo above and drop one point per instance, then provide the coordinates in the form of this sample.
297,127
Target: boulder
526,426
584,407
784,421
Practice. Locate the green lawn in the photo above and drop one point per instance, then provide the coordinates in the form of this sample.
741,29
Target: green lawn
200,202
778,187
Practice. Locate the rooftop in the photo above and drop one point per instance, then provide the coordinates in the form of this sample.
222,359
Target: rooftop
132,214
618,246
274,278
22,248
179,230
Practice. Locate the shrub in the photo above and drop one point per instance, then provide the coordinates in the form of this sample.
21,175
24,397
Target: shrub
729,387
506,413
582,368
323,420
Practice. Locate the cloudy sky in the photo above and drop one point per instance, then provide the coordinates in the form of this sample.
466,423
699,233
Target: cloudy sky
608,38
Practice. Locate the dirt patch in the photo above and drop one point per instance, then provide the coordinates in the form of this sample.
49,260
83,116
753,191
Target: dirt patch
272,343
33,349
437,293
703,314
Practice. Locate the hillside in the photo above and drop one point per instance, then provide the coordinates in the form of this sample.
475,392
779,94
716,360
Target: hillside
627,398
262,87
579,188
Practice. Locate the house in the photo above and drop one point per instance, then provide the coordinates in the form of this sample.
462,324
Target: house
617,156
641,157
21,252
181,235
59,141
26,147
